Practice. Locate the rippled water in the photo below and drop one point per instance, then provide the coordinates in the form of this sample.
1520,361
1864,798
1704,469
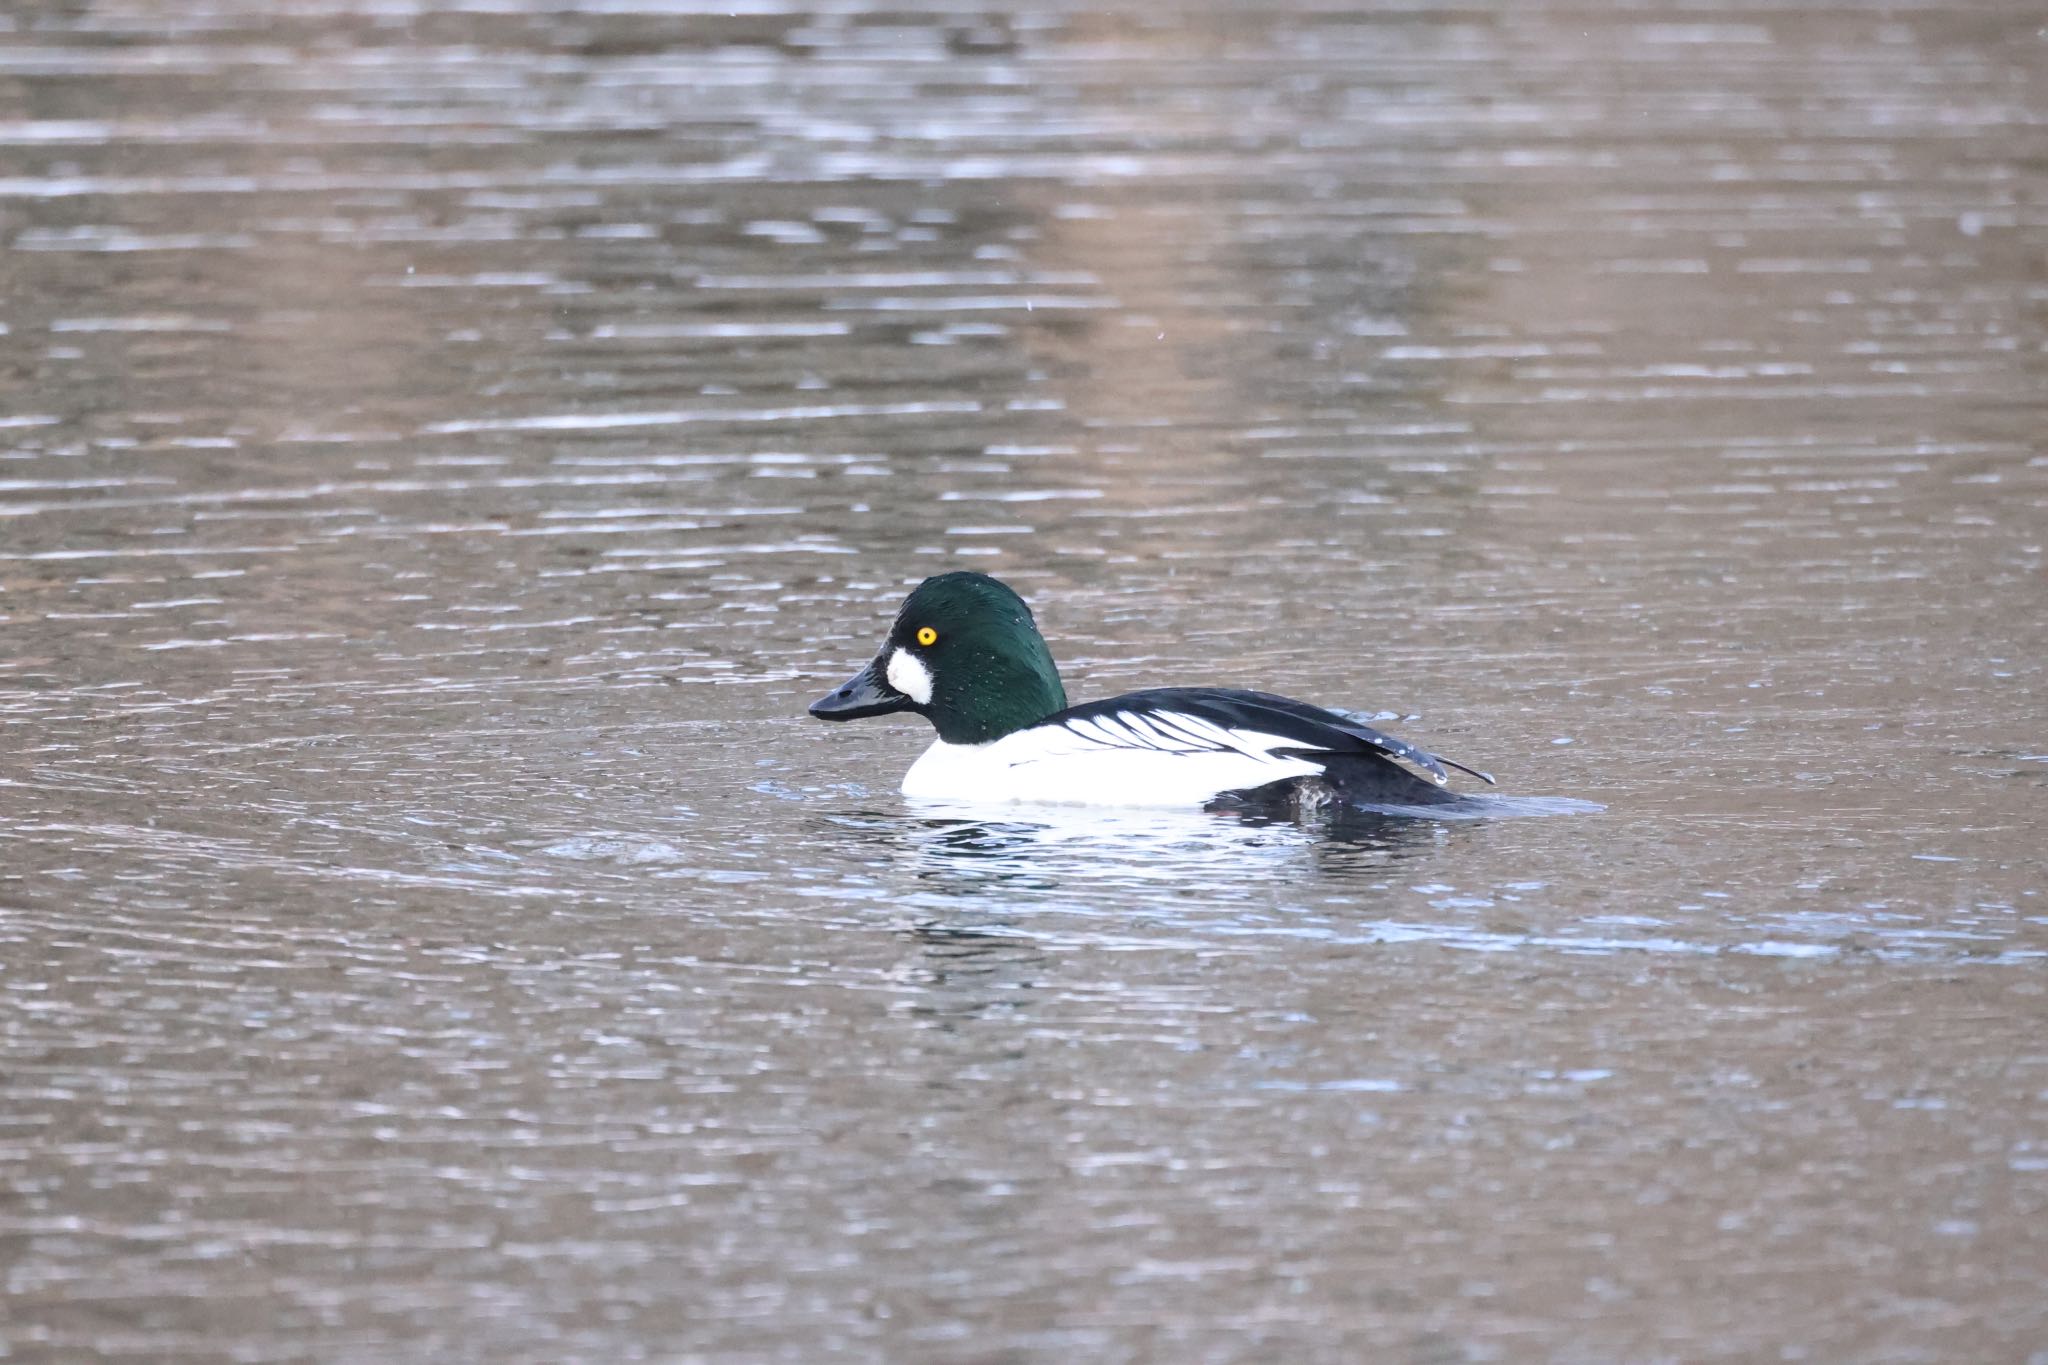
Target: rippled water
444,447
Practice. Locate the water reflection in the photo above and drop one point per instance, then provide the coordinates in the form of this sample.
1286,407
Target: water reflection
963,850
972,972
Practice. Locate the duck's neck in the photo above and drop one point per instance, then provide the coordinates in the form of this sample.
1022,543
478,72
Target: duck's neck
998,695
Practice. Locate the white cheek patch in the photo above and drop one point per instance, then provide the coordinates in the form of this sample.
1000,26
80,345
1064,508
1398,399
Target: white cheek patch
908,675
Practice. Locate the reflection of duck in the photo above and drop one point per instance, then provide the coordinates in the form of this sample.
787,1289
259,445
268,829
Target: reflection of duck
966,655
956,850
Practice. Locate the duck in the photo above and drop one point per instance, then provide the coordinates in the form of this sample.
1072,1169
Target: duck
965,653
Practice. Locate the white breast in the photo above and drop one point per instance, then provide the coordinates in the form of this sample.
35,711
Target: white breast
1101,764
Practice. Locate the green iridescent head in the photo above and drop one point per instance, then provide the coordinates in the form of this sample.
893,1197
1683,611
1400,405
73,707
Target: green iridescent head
964,654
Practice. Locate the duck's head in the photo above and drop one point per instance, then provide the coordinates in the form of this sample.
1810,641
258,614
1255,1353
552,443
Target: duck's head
964,654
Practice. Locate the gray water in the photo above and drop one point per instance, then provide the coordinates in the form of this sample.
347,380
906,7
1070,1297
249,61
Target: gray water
444,447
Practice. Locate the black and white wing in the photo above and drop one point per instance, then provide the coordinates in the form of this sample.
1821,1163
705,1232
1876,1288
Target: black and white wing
1217,720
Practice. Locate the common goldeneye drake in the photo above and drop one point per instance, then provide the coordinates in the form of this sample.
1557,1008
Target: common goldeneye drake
966,655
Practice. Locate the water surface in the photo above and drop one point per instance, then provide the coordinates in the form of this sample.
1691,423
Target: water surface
445,447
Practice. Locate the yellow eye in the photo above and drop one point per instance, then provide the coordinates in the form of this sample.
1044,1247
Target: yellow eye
927,636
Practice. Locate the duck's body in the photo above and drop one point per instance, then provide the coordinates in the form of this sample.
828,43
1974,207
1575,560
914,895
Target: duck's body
1182,746
966,654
